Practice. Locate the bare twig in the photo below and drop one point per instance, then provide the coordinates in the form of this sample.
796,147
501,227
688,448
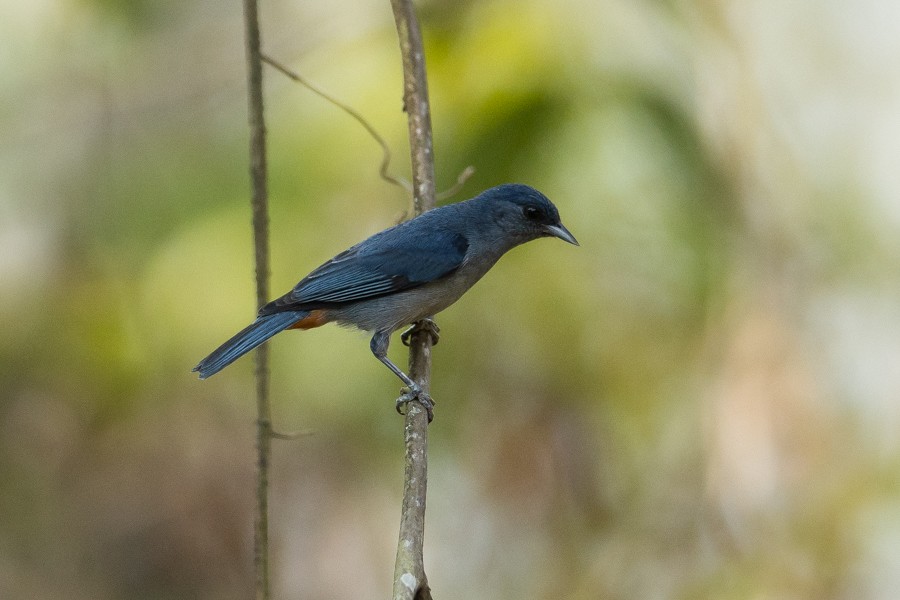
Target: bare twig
410,581
259,203
288,436
460,181
385,150
416,104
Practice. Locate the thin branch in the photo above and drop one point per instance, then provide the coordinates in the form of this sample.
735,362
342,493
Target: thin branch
259,203
385,150
287,436
416,104
410,581
460,181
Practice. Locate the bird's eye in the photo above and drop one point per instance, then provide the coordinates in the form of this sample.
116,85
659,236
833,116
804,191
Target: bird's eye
531,213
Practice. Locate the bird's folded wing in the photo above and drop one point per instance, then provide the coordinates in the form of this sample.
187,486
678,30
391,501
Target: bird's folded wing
379,267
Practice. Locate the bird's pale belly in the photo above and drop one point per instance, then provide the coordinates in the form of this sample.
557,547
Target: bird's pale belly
394,311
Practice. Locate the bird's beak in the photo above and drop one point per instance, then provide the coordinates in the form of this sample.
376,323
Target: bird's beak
562,233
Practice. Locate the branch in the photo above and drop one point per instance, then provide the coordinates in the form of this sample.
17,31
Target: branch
410,581
385,151
460,181
416,104
259,204
370,129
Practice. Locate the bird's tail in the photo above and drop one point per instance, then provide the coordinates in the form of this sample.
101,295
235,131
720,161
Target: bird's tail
246,340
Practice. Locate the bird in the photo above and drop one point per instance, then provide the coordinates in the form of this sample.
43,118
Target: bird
404,275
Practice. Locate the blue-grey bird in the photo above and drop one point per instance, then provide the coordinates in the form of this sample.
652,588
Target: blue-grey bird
404,274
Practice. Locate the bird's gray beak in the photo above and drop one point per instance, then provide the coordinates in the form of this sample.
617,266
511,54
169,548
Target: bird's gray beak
562,233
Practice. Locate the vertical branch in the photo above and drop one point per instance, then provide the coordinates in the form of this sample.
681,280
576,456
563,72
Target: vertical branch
410,581
416,104
259,203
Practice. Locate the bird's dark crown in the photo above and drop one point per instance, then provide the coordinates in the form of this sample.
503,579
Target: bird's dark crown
535,206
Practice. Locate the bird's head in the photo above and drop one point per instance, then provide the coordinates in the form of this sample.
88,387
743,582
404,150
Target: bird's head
526,214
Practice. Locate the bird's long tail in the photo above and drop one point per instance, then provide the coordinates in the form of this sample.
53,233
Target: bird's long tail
246,340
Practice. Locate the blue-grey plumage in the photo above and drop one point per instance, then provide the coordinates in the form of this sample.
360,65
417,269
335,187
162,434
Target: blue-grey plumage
404,274
246,340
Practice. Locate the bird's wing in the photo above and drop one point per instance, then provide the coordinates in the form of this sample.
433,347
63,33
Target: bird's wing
381,265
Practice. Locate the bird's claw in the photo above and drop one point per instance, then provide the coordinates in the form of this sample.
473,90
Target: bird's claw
411,394
427,325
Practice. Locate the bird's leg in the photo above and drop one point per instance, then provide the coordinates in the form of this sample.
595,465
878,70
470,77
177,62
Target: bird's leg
413,391
425,324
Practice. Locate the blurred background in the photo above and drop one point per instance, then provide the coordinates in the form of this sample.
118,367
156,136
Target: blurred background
702,401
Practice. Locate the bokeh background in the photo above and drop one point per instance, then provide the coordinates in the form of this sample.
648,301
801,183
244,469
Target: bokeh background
702,401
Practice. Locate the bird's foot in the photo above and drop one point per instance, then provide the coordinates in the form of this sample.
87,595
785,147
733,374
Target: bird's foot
414,393
427,325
